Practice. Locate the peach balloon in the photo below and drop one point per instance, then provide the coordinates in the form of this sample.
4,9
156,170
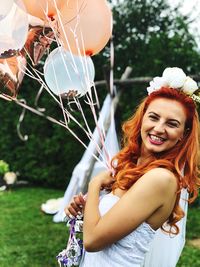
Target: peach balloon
85,26
43,8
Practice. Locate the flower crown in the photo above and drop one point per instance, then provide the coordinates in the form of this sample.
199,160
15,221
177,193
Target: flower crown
175,78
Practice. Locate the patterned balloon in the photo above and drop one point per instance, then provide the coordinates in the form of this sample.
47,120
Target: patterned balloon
11,74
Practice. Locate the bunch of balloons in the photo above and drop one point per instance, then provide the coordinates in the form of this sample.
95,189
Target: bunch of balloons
80,28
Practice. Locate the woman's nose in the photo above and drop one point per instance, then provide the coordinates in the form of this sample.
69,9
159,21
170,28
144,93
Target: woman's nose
159,127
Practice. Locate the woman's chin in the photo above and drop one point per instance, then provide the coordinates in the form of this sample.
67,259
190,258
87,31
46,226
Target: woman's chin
155,149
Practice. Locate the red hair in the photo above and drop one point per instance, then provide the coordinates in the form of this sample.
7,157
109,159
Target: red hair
183,156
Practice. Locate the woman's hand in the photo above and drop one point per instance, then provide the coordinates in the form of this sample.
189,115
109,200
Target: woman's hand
76,206
104,180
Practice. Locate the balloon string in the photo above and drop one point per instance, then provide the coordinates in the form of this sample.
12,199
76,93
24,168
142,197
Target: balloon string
111,67
69,115
66,118
100,128
60,103
79,10
23,104
91,104
101,132
37,99
96,96
62,28
89,130
83,115
83,59
21,118
27,53
84,65
89,133
65,112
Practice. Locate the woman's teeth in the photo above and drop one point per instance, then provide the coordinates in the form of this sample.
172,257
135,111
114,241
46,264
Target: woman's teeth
156,138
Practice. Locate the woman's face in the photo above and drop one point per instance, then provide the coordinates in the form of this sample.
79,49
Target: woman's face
163,125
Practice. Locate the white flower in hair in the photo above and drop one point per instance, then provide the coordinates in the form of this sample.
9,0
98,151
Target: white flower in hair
175,77
190,86
156,84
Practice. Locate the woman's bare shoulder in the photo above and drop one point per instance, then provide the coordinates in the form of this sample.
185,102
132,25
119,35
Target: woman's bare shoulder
161,177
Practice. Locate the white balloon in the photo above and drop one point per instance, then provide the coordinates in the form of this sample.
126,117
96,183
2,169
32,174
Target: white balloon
5,7
68,75
13,30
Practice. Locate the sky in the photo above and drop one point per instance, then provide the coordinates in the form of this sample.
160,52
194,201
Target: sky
191,8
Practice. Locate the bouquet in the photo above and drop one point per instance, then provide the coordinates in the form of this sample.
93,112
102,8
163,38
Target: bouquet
71,256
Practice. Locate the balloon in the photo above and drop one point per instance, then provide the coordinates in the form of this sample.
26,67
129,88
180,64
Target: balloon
38,41
35,21
13,31
43,8
86,26
11,74
5,7
68,75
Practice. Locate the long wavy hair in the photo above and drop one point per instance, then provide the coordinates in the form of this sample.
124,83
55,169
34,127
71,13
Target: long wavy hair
182,159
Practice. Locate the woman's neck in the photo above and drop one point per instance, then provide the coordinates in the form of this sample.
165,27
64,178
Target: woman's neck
144,156
142,160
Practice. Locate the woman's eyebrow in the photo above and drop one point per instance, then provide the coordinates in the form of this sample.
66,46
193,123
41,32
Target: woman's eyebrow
151,112
171,120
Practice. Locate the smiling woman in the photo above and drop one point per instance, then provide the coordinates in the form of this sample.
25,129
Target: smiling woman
161,142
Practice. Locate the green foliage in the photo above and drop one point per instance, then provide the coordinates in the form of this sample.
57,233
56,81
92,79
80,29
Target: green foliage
4,167
49,155
191,255
148,36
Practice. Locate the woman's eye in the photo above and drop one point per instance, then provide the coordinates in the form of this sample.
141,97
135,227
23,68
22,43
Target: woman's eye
172,125
153,117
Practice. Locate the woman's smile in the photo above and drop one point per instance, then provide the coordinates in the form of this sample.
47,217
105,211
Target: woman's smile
156,140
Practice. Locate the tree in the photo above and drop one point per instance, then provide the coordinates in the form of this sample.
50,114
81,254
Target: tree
149,35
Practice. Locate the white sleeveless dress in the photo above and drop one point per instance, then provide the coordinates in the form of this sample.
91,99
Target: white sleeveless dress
127,252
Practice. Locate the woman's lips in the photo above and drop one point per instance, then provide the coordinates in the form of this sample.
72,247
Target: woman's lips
156,140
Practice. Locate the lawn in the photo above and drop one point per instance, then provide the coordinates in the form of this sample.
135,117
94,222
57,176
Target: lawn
191,254
27,236
30,238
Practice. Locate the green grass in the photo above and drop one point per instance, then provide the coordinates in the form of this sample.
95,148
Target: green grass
28,237
191,255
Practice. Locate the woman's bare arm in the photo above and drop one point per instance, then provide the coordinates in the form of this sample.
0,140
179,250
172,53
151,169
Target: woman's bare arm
137,204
